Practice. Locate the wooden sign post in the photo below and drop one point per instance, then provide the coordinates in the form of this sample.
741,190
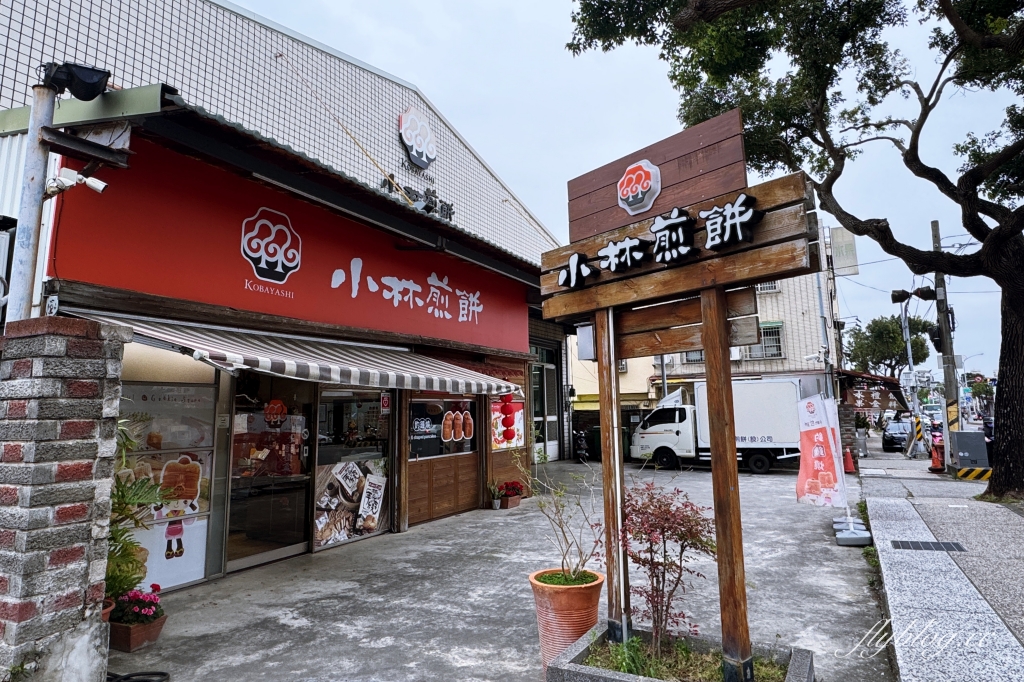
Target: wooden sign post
666,245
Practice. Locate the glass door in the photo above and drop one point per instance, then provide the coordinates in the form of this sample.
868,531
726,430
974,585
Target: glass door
544,397
268,516
351,492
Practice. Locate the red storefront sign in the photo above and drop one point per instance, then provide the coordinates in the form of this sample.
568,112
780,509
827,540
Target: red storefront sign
177,227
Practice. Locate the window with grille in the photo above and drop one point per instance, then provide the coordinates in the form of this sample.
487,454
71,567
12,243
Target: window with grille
766,287
693,356
771,343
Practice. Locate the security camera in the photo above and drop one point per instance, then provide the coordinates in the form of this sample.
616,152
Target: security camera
68,178
95,184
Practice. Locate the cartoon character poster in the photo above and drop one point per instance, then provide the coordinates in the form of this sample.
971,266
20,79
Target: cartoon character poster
820,481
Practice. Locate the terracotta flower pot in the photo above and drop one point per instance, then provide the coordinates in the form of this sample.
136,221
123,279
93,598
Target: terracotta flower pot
108,606
564,612
133,637
510,502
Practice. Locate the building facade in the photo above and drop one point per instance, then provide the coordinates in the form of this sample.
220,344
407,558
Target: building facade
329,289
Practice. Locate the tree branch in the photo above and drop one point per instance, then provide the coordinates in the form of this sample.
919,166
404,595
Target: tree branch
898,143
700,11
1012,44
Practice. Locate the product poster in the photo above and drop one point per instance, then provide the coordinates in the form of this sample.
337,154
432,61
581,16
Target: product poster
350,501
498,441
162,417
441,427
184,476
820,481
175,552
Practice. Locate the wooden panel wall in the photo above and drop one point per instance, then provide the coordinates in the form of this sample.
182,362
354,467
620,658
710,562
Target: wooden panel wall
442,486
701,162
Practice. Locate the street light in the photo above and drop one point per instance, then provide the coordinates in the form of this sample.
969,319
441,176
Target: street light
903,296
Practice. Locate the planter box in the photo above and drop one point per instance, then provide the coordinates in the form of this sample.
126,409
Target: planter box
510,502
568,666
133,637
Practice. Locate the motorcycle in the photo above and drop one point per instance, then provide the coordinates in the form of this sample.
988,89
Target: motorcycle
580,446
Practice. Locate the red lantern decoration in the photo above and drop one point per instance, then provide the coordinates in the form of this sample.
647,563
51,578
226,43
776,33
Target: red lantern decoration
507,398
509,434
508,422
507,409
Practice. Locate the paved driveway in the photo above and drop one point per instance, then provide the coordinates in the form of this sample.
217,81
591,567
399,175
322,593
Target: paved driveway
449,599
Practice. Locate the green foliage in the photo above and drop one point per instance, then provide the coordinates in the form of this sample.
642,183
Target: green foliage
879,347
130,502
871,556
860,421
982,389
676,662
584,578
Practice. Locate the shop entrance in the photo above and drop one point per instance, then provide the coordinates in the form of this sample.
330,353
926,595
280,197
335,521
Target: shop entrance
444,457
546,410
268,515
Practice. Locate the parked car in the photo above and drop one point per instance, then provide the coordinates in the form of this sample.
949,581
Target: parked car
933,411
894,437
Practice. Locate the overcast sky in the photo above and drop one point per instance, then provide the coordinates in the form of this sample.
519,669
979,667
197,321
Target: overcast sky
499,72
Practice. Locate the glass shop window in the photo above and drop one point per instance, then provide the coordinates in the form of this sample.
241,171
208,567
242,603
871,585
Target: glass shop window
442,427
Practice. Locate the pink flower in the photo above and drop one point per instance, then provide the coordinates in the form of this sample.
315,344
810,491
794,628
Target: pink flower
154,587
136,609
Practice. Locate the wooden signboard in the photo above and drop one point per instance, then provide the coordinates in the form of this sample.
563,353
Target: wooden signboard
666,245
702,162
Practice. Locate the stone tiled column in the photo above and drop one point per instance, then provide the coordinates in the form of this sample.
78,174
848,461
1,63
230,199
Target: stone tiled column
60,388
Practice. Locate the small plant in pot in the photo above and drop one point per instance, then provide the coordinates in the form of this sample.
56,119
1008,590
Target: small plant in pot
495,490
511,492
567,597
130,503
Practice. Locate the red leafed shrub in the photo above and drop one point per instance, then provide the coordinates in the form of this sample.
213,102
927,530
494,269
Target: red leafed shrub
662,532
510,489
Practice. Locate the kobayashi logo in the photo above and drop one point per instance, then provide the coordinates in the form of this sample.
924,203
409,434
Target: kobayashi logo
271,246
639,186
417,137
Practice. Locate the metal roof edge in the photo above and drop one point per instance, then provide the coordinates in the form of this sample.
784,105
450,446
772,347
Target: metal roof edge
238,127
110,106
260,19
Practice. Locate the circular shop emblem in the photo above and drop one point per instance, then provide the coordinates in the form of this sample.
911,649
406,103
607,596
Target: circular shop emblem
417,137
271,246
639,186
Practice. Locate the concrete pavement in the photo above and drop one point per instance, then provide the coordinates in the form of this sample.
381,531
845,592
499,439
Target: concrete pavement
957,616
449,599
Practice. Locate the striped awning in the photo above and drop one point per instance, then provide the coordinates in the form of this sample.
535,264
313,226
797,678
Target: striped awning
308,358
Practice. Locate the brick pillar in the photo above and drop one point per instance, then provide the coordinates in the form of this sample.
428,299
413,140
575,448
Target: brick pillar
60,386
847,429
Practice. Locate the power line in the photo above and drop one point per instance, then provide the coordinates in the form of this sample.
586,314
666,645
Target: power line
866,286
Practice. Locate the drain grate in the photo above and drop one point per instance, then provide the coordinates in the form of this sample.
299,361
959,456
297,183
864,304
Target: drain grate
929,546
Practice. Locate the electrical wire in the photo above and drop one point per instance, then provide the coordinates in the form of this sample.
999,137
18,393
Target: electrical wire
337,120
860,284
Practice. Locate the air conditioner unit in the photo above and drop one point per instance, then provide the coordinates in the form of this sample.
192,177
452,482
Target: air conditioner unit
736,353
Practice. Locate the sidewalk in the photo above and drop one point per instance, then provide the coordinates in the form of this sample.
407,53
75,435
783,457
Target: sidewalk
449,600
956,616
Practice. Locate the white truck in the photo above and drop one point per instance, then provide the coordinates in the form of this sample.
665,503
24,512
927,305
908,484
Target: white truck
767,426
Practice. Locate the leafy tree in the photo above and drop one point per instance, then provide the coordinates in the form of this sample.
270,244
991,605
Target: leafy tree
810,76
981,389
879,348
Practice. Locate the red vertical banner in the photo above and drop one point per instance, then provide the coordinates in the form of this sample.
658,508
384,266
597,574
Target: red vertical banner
821,481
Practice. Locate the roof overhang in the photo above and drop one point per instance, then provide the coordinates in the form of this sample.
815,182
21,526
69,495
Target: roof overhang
160,114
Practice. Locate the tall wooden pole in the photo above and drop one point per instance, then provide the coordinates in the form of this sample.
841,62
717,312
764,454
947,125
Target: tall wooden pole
737,663
612,475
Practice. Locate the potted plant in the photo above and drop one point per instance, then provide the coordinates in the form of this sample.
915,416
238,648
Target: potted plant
495,490
137,619
130,502
567,597
511,493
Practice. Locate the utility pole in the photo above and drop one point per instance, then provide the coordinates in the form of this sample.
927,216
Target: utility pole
951,383
30,215
664,378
